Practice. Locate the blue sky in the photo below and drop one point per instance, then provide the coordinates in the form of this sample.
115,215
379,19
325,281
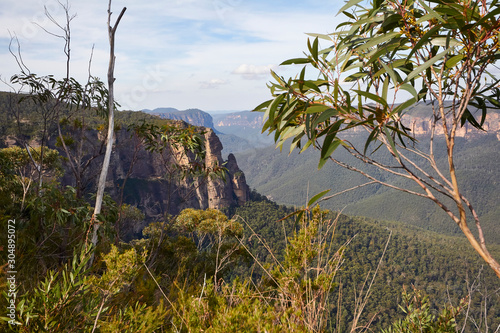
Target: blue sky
209,54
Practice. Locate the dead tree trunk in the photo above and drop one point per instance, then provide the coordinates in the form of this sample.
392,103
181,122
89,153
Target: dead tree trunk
109,140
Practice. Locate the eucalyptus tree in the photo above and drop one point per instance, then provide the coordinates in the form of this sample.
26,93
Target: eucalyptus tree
440,52
61,104
111,124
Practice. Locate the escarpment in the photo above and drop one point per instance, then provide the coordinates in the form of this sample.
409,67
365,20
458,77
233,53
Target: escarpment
154,181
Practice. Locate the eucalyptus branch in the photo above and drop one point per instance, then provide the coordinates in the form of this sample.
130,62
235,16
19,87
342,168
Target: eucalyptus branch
439,187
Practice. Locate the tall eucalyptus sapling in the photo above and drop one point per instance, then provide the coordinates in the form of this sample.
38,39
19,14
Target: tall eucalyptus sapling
440,52
111,123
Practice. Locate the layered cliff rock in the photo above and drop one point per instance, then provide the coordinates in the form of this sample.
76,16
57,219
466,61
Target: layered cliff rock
422,126
154,184
245,119
194,117
153,180
418,119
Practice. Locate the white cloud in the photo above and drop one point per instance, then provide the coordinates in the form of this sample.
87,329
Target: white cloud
211,54
212,84
253,72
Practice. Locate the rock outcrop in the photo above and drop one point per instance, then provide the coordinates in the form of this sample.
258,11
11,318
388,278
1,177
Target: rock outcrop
423,125
419,124
195,117
245,119
154,184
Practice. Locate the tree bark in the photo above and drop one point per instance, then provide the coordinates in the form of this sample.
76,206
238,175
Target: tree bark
111,124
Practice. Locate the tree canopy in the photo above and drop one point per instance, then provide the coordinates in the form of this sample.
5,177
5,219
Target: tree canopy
440,52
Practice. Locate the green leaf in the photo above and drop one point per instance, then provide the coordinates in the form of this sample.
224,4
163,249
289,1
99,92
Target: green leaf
272,107
291,131
490,15
404,105
307,145
385,88
431,12
378,40
317,108
391,73
372,97
348,5
317,197
322,36
444,41
391,141
327,151
349,15
468,117
454,60
296,61
391,22
327,114
425,39
312,86
373,135
409,88
417,71
313,49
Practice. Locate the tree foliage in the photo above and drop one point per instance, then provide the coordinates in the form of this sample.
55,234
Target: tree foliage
441,53
419,317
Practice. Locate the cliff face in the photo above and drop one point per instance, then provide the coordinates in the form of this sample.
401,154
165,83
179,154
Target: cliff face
194,117
422,126
419,121
154,185
245,119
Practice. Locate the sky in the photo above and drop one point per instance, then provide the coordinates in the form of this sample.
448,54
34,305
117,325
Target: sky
215,55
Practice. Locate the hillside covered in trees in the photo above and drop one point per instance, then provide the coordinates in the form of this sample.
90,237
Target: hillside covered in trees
295,176
210,254
91,246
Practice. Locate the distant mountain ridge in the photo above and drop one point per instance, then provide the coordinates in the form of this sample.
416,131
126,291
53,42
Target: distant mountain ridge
242,118
248,125
238,131
194,117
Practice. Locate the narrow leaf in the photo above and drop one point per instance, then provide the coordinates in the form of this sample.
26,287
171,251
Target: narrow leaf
409,88
427,64
454,60
317,197
391,142
317,108
370,42
348,5
326,153
296,61
425,39
372,97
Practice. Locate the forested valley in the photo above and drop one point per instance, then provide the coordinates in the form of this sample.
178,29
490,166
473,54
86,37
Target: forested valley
244,267
125,221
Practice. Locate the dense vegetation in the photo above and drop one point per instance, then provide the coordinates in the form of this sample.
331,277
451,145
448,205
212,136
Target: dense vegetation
150,282
259,267
440,53
425,260
291,178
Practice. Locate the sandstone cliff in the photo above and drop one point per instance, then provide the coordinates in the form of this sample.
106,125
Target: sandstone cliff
152,182
154,185
417,119
422,126
194,117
